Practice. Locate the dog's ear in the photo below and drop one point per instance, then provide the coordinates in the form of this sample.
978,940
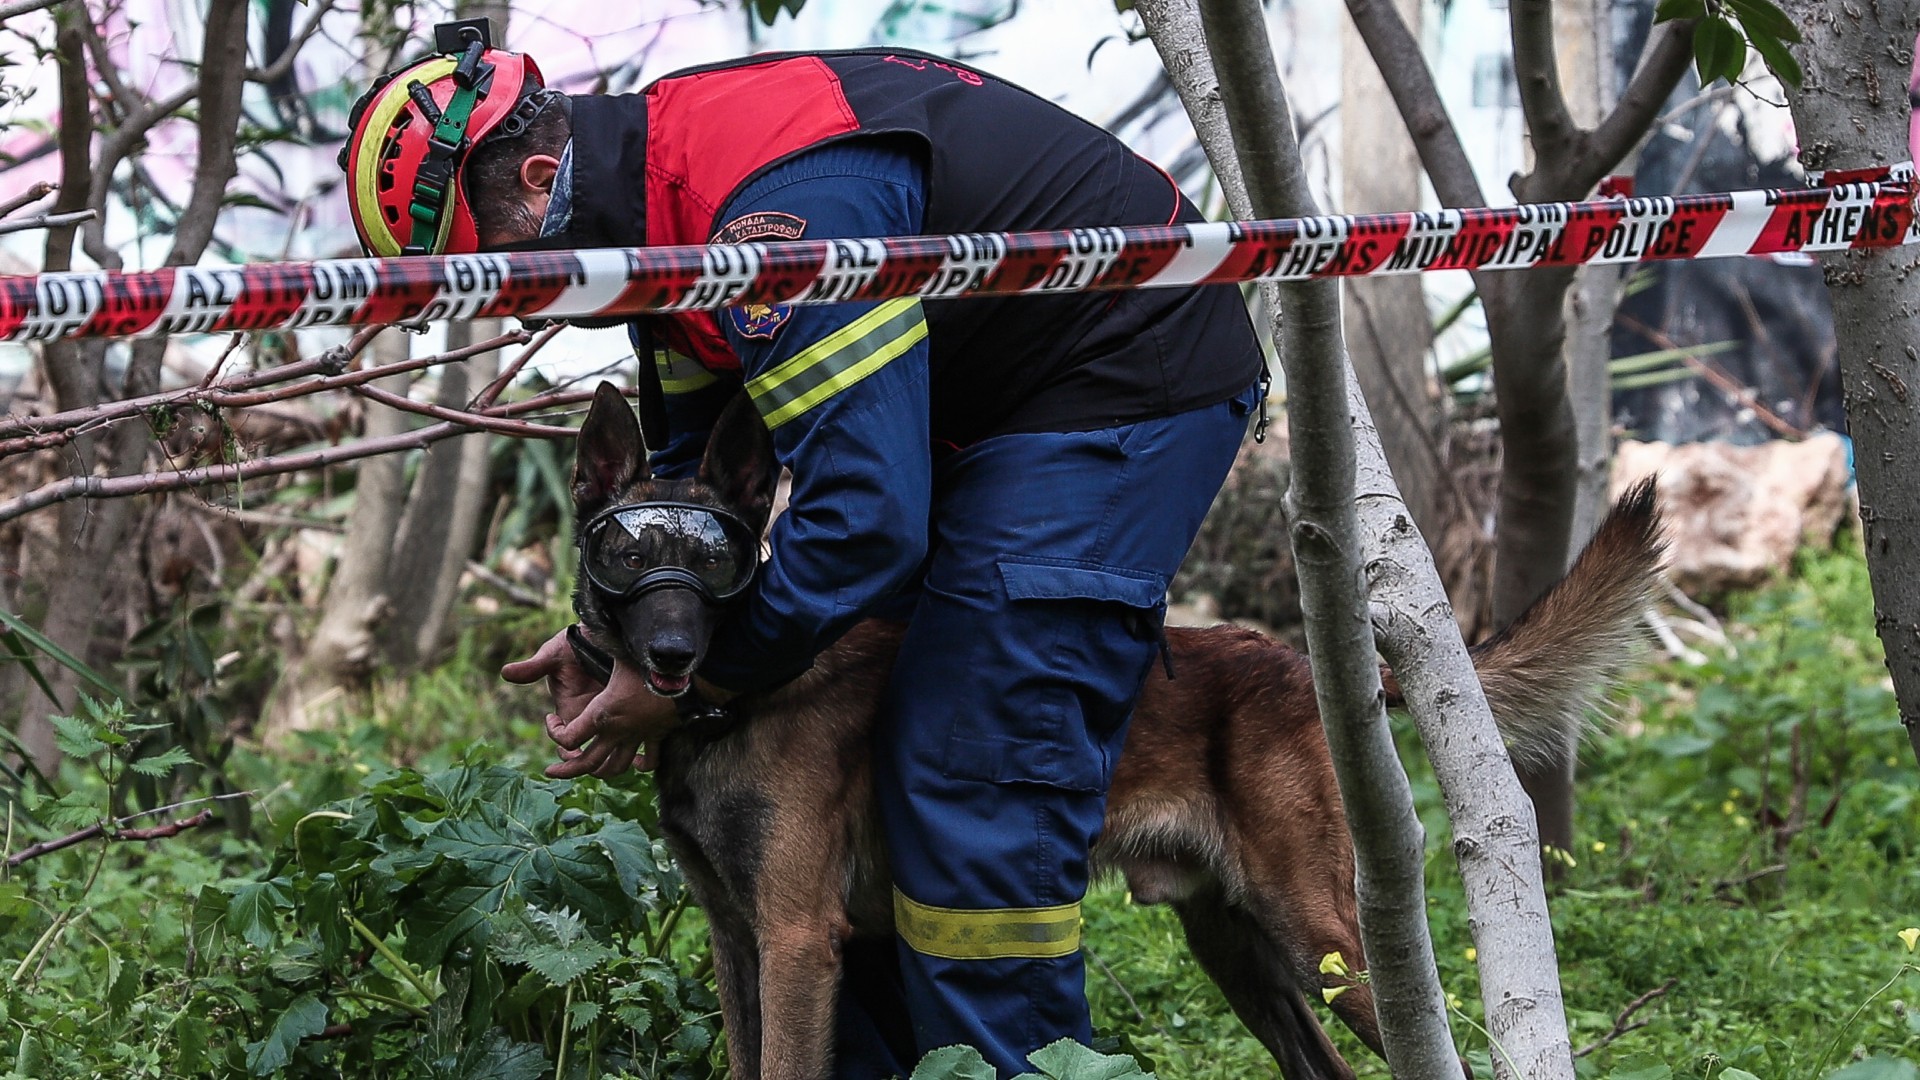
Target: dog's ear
740,464
609,453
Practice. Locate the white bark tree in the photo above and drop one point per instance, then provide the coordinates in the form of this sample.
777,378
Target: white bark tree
1348,514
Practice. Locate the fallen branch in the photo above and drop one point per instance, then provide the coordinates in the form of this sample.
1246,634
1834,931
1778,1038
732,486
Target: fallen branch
46,221
156,832
1728,386
500,426
1620,1025
506,586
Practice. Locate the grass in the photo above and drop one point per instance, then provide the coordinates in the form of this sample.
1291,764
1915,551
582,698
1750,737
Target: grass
1685,870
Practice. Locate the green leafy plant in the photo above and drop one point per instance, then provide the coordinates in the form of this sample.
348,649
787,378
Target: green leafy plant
1725,28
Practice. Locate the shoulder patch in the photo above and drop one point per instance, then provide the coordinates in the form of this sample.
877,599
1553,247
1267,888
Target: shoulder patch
761,225
760,321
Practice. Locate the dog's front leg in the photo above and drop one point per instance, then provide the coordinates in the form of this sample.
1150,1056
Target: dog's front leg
799,982
736,976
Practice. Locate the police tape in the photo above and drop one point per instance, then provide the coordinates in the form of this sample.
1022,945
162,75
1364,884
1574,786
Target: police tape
1869,208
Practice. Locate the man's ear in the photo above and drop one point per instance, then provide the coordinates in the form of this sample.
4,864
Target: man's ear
609,453
538,170
740,464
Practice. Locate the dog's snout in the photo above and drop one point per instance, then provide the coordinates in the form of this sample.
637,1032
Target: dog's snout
671,653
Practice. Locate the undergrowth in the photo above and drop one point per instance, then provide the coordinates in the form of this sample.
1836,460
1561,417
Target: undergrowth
408,898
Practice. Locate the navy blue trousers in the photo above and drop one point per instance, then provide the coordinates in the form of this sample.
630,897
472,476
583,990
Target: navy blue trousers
1029,637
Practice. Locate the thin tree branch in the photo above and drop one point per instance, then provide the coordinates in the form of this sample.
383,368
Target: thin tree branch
46,221
22,7
284,62
223,68
1661,67
478,421
114,487
1537,72
1620,1025
240,392
157,832
34,193
491,392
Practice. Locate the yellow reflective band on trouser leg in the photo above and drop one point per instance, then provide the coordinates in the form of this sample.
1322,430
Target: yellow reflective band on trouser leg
679,375
1040,933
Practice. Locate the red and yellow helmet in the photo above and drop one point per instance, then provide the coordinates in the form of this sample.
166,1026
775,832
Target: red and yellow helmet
412,132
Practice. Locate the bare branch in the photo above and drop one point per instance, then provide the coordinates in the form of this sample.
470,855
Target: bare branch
284,62
22,7
34,193
520,428
1620,1025
157,832
46,221
491,392
239,392
114,487
223,68
1661,67
1441,153
1537,71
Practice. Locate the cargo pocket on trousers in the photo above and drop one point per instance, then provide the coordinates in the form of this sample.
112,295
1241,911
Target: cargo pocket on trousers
1088,634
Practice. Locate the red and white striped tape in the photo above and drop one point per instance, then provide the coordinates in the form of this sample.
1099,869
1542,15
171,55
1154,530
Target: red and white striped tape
1854,210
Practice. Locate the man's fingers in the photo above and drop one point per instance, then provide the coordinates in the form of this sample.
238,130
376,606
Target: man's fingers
573,734
594,760
547,660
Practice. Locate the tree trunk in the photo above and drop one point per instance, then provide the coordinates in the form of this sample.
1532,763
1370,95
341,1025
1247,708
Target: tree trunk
91,562
1388,329
1389,842
1850,114
344,648
1494,839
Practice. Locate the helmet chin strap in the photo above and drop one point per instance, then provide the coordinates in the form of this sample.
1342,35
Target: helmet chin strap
446,147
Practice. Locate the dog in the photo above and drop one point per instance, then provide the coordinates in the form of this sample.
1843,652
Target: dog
1223,804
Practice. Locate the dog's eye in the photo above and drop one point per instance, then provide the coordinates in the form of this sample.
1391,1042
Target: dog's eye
633,560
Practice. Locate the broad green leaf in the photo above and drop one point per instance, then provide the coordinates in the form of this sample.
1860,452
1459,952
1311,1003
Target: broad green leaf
1762,18
561,964
306,1015
1679,9
500,1058
1065,1059
1641,1068
1718,47
582,1013
1876,1068
253,911
953,1063
1779,59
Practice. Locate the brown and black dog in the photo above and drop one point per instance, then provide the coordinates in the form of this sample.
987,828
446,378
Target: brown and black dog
1223,804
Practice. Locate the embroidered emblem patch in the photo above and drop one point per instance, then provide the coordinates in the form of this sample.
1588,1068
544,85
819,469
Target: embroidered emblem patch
760,321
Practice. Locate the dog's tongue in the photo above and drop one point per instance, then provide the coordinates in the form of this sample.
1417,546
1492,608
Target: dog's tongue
668,685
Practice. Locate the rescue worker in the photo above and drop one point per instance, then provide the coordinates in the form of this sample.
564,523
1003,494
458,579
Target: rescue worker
1018,478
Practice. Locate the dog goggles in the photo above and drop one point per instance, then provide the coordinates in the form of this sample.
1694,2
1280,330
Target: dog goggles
636,548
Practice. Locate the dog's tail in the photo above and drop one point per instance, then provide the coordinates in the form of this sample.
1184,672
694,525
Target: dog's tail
1544,674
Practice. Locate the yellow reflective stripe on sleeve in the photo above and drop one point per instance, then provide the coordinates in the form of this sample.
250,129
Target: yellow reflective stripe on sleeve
838,360
992,934
679,375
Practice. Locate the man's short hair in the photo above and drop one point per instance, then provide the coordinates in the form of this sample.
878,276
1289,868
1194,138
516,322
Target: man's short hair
493,169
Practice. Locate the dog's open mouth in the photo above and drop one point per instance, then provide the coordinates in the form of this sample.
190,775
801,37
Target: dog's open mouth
668,685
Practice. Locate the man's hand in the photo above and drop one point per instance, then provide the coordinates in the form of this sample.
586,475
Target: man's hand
601,731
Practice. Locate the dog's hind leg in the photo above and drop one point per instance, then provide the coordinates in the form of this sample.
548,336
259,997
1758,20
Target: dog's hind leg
1256,977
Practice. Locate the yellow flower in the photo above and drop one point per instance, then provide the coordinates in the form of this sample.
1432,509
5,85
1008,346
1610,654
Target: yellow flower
1453,1001
1332,992
1599,846
1734,793
1910,936
1472,954
1334,964
1727,808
